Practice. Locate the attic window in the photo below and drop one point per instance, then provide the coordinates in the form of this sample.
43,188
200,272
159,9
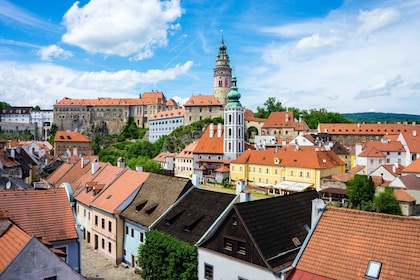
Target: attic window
373,270
296,241
141,205
61,137
68,137
172,219
151,208
108,196
189,227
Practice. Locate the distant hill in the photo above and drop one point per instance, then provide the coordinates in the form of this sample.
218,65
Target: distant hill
368,117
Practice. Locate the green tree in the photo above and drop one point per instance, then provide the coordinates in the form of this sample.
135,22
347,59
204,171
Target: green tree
149,165
4,104
37,108
164,257
51,133
385,202
361,192
271,105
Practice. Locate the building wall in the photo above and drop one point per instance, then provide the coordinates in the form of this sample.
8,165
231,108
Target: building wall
37,262
72,148
196,113
108,247
225,267
184,167
161,127
134,235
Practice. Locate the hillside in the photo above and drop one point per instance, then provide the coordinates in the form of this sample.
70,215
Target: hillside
370,117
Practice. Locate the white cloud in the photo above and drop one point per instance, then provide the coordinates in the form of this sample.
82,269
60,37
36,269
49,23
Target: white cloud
377,19
382,89
128,28
316,41
43,84
46,53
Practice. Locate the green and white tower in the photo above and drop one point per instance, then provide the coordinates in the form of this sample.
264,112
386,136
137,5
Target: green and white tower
234,124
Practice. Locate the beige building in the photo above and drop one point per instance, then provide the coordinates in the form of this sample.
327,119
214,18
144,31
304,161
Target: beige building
72,143
108,115
199,107
184,162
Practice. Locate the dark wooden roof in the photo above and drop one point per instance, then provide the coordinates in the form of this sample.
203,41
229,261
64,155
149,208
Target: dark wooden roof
156,195
192,216
274,222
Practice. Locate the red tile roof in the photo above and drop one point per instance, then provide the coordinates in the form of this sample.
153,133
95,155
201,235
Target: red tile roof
12,241
344,241
364,128
146,98
169,114
70,136
402,195
202,100
187,152
210,145
385,145
371,152
47,214
412,138
162,157
111,198
304,157
284,120
414,167
249,117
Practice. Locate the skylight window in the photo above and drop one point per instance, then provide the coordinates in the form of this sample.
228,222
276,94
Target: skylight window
373,270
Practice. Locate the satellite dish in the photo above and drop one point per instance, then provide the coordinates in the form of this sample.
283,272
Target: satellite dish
8,185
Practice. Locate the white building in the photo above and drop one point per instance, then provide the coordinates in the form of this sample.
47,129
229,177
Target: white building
164,123
43,119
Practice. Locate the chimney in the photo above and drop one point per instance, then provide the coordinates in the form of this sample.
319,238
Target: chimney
4,215
95,166
139,168
414,133
287,116
195,180
318,207
245,196
12,153
240,186
82,162
120,162
211,130
219,130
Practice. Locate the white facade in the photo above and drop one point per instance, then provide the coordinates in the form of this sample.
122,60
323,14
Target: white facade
234,133
228,268
164,123
43,119
16,115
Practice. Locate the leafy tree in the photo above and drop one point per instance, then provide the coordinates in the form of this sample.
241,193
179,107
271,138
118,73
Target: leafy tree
385,202
37,108
361,191
149,165
51,133
271,105
4,104
164,257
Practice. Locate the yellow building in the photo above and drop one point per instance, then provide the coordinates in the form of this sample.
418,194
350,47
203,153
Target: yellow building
286,169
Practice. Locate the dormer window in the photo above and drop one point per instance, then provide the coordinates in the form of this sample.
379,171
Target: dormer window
373,270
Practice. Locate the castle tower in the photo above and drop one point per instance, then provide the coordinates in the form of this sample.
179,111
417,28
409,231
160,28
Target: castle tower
222,75
233,145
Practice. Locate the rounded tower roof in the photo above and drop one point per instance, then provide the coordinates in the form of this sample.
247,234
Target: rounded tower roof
234,96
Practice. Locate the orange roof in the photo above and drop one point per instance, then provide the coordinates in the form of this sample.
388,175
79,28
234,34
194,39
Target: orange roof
171,103
402,195
202,100
70,136
344,241
412,139
146,98
385,145
169,114
162,156
187,152
371,152
414,167
395,170
304,157
12,241
46,214
210,145
284,120
89,186
111,198
356,169
249,116
364,128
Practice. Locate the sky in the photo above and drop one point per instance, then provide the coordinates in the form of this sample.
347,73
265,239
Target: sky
343,56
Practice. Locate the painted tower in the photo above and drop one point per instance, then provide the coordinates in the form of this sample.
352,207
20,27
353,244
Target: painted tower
233,145
222,75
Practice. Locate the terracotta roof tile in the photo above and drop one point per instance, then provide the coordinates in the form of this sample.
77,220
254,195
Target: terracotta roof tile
356,169
70,136
202,100
402,195
284,120
12,241
46,214
111,198
210,145
344,241
187,152
371,152
169,114
146,98
365,128
412,138
305,157
249,116
414,167
162,156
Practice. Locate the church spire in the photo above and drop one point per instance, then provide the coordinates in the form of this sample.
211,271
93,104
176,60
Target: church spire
222,74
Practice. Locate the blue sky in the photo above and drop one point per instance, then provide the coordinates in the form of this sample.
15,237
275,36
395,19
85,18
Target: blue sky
344,56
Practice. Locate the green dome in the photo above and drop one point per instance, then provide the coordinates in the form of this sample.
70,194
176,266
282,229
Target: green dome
233,96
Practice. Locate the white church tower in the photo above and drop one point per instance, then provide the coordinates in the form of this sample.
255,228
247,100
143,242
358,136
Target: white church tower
234,124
